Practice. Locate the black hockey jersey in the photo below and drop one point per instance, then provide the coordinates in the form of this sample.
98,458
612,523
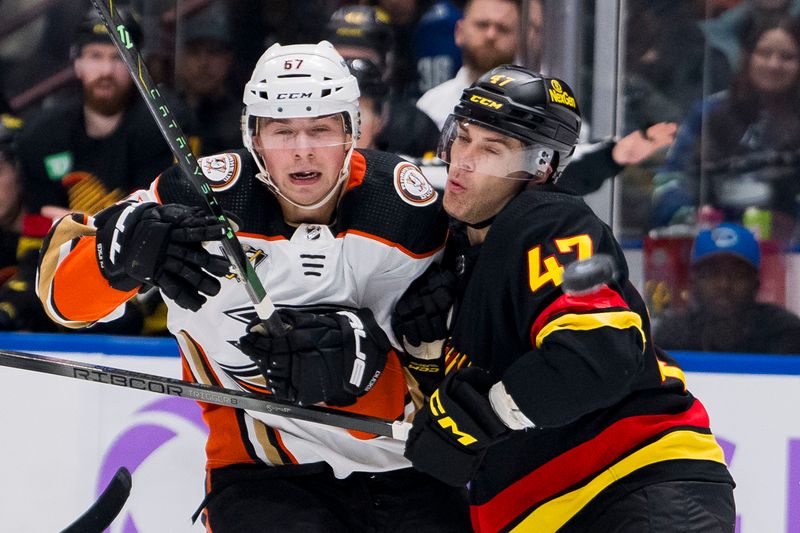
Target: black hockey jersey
62,166
610,414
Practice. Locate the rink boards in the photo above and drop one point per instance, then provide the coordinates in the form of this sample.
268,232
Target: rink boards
63,439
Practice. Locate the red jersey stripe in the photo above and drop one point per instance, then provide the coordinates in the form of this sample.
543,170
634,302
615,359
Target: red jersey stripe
579,464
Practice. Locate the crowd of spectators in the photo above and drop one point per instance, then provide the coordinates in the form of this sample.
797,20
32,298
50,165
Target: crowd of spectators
724,74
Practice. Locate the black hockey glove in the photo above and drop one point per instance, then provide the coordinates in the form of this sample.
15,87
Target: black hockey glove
452,431
332,357
160,245
421,313
420,323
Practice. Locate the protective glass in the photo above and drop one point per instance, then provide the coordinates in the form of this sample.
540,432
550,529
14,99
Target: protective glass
303,133
476,147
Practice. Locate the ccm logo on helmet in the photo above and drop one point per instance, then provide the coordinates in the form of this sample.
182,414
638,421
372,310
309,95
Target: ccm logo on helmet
293,96
485,101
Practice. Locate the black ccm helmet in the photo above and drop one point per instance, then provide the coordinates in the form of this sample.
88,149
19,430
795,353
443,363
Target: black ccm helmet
539,111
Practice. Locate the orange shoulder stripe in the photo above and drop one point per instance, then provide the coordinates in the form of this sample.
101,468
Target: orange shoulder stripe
390,243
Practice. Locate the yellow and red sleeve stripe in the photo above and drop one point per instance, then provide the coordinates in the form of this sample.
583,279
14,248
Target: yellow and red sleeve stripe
671,371
603,308
596,464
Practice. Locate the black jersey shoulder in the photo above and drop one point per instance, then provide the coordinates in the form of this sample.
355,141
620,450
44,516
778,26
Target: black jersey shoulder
535,235
232,176
550,218
395,202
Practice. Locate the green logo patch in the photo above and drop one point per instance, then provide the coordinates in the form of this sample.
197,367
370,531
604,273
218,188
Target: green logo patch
57,165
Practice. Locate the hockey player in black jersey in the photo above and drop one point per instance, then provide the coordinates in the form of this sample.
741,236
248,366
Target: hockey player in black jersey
556,408
336,234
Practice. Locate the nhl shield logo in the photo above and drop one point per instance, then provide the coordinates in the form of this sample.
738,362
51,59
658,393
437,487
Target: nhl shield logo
222,170
412,186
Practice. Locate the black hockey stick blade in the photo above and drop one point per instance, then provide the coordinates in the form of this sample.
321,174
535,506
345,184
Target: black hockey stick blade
203,393
99,516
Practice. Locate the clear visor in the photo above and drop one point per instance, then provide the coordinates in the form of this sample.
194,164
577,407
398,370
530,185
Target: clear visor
302,133
473,147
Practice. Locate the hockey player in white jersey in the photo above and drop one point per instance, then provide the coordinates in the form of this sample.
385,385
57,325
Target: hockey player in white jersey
336,234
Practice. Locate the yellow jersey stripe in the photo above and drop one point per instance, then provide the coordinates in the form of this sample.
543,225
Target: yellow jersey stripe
668,371
683,444
571,321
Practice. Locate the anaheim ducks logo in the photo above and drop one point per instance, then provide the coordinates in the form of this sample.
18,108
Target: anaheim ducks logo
222,170
412,186
256,256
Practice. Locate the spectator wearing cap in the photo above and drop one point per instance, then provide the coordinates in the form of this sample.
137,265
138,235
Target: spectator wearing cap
92,150
723,314
203,68
363,32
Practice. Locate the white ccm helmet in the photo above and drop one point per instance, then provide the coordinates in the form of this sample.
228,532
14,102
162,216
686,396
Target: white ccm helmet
295,81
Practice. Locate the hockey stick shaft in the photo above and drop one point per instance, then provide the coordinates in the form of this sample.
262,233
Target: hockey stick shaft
105,509
179,145
203,393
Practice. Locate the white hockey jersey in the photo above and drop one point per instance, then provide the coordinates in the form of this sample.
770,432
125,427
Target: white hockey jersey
389,228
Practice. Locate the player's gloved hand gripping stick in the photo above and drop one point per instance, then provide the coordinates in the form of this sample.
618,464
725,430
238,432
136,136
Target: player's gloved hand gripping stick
180,274
186,160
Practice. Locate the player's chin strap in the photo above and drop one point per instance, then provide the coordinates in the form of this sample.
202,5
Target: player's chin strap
265,177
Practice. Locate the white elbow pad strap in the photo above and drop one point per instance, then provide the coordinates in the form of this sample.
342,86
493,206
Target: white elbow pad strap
506,408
